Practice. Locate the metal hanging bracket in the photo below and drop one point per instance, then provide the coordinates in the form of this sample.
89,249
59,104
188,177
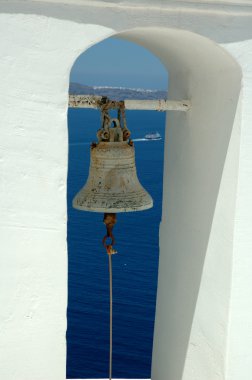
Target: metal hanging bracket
119,131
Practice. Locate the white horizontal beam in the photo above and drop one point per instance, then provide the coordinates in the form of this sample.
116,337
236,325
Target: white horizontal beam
157,105
91,101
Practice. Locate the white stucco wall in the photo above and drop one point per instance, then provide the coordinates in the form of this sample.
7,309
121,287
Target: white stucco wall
204,279
240,323
36,56
196,147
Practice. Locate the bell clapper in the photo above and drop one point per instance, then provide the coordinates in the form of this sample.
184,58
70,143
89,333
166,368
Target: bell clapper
109,220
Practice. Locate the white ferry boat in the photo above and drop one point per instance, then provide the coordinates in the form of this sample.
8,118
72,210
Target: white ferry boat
153,136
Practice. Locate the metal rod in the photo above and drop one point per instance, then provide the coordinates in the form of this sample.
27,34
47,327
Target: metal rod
91,101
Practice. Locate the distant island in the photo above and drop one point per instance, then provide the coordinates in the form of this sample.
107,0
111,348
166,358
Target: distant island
116,93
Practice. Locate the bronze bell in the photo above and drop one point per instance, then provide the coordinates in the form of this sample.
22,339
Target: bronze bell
112,185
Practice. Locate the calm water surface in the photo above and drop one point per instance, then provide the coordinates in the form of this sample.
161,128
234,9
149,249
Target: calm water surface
134,267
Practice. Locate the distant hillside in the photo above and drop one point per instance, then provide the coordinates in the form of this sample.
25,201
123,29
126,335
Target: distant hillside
116,93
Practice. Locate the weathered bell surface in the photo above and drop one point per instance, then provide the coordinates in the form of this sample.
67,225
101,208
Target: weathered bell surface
112,185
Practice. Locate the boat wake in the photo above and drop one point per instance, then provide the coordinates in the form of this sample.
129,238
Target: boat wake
143,139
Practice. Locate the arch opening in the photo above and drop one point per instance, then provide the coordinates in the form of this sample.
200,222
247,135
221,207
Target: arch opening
196,147
135,266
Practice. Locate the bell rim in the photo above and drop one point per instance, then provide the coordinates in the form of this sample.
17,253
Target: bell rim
114,210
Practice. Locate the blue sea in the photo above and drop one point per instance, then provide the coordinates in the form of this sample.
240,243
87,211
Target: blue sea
134,266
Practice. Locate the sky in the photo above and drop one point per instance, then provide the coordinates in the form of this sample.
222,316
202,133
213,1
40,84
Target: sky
119,63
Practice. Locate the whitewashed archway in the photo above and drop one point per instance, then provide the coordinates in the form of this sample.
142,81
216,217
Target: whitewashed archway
196,235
